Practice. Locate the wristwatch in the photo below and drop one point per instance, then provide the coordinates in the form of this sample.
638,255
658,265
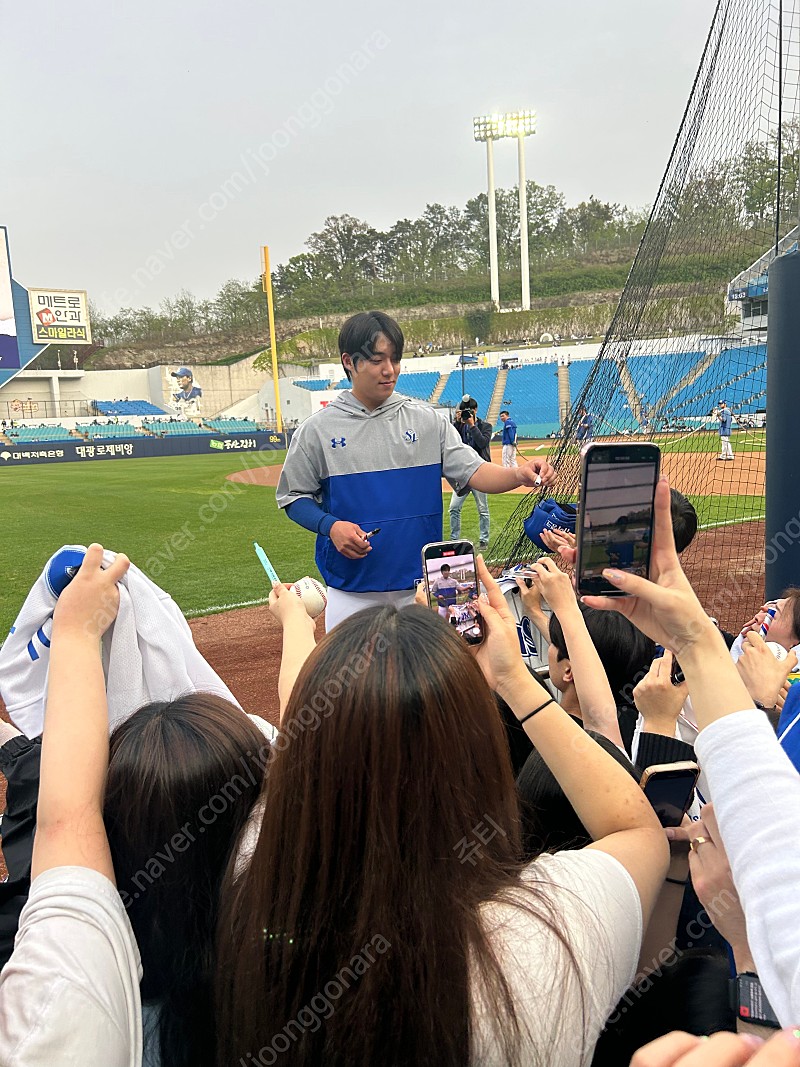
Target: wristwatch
749,1001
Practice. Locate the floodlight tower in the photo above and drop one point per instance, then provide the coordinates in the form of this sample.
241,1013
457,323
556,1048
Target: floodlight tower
490,128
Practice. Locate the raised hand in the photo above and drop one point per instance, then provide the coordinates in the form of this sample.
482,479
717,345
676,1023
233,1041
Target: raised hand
90,602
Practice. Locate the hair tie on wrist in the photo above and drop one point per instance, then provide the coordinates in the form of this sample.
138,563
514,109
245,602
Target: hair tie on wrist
677,881
536,710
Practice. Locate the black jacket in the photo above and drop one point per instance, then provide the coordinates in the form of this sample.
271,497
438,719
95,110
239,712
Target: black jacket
477,436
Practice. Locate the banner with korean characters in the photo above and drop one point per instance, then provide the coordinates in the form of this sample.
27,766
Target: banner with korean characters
60,316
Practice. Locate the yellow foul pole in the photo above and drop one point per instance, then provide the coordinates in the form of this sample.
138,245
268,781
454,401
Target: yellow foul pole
267,285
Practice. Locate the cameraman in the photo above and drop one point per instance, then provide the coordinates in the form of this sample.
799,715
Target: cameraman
477,434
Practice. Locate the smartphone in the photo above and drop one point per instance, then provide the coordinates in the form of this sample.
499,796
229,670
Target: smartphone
615,519
452,587
670,788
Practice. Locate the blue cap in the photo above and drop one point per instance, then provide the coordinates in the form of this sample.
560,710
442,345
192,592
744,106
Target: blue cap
182,372
549,515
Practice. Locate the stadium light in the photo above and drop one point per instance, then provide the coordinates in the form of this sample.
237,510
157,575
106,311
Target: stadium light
490,128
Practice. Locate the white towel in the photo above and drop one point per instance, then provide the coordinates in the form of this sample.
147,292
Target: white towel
148,652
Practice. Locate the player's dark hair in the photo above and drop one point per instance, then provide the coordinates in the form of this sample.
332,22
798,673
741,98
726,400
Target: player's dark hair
549,821
445,566
684,519
625,652
360,332
505,411
167,764
384,769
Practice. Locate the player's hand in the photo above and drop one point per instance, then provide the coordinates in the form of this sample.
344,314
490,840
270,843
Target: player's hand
534,469
288,608
90,602
498,655
761,672
722,1050
665,607
657,699
554,585
350,539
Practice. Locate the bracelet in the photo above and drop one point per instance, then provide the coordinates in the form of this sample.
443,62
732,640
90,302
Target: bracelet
677,881
536,710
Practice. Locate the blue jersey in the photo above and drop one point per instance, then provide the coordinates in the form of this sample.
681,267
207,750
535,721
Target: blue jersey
725,422
509,432
380,468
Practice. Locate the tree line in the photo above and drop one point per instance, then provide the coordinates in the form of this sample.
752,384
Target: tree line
443,256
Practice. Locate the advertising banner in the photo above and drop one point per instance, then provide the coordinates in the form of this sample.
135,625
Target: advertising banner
60,316
78,451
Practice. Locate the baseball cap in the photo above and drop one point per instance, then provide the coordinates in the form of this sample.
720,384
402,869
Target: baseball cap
182,372
549,515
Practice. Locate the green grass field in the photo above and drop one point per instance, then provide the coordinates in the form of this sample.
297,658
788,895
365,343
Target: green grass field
189,528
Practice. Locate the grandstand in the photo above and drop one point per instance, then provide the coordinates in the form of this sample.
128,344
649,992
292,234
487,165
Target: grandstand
112,429
126,407
419,384
175,429
479,382
531,395
314,385
39,433
231,425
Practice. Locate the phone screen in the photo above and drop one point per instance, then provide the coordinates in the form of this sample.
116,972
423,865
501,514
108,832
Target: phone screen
451,582
670,794
615,527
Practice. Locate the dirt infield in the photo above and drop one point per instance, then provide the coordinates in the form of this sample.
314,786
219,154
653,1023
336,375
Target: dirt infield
698,473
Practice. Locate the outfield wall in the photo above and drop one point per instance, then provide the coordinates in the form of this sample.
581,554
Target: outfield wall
137,448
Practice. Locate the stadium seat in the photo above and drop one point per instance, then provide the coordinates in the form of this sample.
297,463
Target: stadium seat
127,407
176,429
39,433
118,429
479,382
231,425
314,385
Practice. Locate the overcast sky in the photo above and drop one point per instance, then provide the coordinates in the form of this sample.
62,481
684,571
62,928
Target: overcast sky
155,146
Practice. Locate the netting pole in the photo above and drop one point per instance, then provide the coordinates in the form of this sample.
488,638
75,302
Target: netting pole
783,469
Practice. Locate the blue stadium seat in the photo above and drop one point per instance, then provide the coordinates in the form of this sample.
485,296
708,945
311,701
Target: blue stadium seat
419,384
127,407
314,385
479,382
231,425
39,433
120,429
176,429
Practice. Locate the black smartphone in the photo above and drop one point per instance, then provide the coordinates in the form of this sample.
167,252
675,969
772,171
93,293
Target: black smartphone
670,788
615,519
452,587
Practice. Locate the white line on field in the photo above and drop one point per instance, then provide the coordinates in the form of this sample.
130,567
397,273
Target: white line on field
732,522
215,608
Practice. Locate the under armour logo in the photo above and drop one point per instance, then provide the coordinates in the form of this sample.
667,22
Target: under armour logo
341,441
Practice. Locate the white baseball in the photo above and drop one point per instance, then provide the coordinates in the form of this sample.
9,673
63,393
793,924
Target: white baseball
313,595
778,651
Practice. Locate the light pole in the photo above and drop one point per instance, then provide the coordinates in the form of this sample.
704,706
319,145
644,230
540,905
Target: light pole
489,128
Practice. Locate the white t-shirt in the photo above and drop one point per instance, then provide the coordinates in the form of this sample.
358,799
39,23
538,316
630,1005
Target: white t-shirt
596,908
69,995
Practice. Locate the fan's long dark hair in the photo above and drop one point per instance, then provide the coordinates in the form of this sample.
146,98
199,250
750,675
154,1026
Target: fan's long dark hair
356,935
182,779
